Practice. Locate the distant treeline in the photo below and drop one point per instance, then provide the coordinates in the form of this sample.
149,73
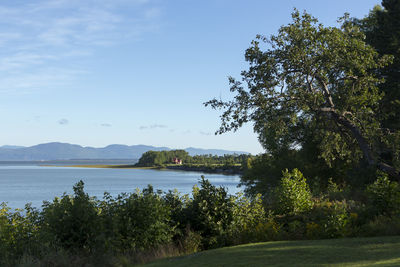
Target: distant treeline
162,158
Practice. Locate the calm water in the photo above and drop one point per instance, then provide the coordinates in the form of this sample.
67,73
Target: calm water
21,183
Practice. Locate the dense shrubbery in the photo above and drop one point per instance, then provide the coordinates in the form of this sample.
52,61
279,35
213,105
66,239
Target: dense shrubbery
135,223
147,224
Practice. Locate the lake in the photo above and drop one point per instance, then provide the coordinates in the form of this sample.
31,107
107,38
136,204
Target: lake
23,182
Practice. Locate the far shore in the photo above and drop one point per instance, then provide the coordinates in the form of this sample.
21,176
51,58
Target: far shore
220,170
130,166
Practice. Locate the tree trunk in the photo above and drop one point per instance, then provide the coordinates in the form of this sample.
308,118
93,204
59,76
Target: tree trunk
349,125
363,144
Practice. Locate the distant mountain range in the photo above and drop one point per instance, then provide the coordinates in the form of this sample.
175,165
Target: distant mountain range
63,151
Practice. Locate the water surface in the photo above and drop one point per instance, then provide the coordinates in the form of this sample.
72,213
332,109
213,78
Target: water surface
21,183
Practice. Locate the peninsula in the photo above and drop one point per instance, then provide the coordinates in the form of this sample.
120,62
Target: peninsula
182,161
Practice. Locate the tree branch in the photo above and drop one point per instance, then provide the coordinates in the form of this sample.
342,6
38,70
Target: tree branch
326,92
362,142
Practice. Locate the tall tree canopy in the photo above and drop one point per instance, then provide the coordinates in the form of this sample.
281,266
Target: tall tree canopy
382,30
312,79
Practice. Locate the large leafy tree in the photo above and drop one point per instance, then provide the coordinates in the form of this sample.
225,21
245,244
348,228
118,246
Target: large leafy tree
311,81
382,30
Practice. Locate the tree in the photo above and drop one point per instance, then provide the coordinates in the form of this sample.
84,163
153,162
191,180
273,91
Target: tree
315,79
382,30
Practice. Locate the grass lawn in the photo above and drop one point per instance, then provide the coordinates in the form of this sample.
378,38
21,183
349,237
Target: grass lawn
376,251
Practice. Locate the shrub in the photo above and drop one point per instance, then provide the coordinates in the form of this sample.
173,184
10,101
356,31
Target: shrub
329,219
137,221
336,192
190,242
292,195
313,230
336,220
381,226
72,222
270,230
210,213
384,196
247,215
18,233
178,204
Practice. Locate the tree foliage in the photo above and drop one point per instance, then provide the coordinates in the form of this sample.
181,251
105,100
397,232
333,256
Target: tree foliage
382,30
139,220
81,230
293,194
71,221
160,158
311,84
384,196
210,212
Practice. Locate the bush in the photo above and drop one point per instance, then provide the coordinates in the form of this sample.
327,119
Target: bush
269,230
137,221
146,225
72,222
336,192
329,219
248,215
381,226
384,196
18,233
292,195
210,213
178,205
190,242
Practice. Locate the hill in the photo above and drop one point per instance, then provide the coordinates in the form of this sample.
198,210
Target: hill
64,151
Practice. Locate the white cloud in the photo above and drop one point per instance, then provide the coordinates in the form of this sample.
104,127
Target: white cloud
24,82
36,38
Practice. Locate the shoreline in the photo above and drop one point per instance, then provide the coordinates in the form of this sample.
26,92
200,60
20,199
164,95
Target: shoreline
219,170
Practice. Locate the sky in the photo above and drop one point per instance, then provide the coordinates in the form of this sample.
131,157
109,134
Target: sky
100,72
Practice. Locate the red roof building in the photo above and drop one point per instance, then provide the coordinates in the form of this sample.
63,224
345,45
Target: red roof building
177,161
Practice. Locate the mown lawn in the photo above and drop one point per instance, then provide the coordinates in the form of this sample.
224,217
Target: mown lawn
376,251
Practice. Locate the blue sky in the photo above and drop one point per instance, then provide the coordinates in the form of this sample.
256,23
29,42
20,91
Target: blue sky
130,72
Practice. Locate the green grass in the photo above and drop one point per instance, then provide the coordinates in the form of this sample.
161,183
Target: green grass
377,251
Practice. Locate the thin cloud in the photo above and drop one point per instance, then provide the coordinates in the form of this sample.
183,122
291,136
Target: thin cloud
37,37
105,125
153,126
63,122
205,133
34,119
